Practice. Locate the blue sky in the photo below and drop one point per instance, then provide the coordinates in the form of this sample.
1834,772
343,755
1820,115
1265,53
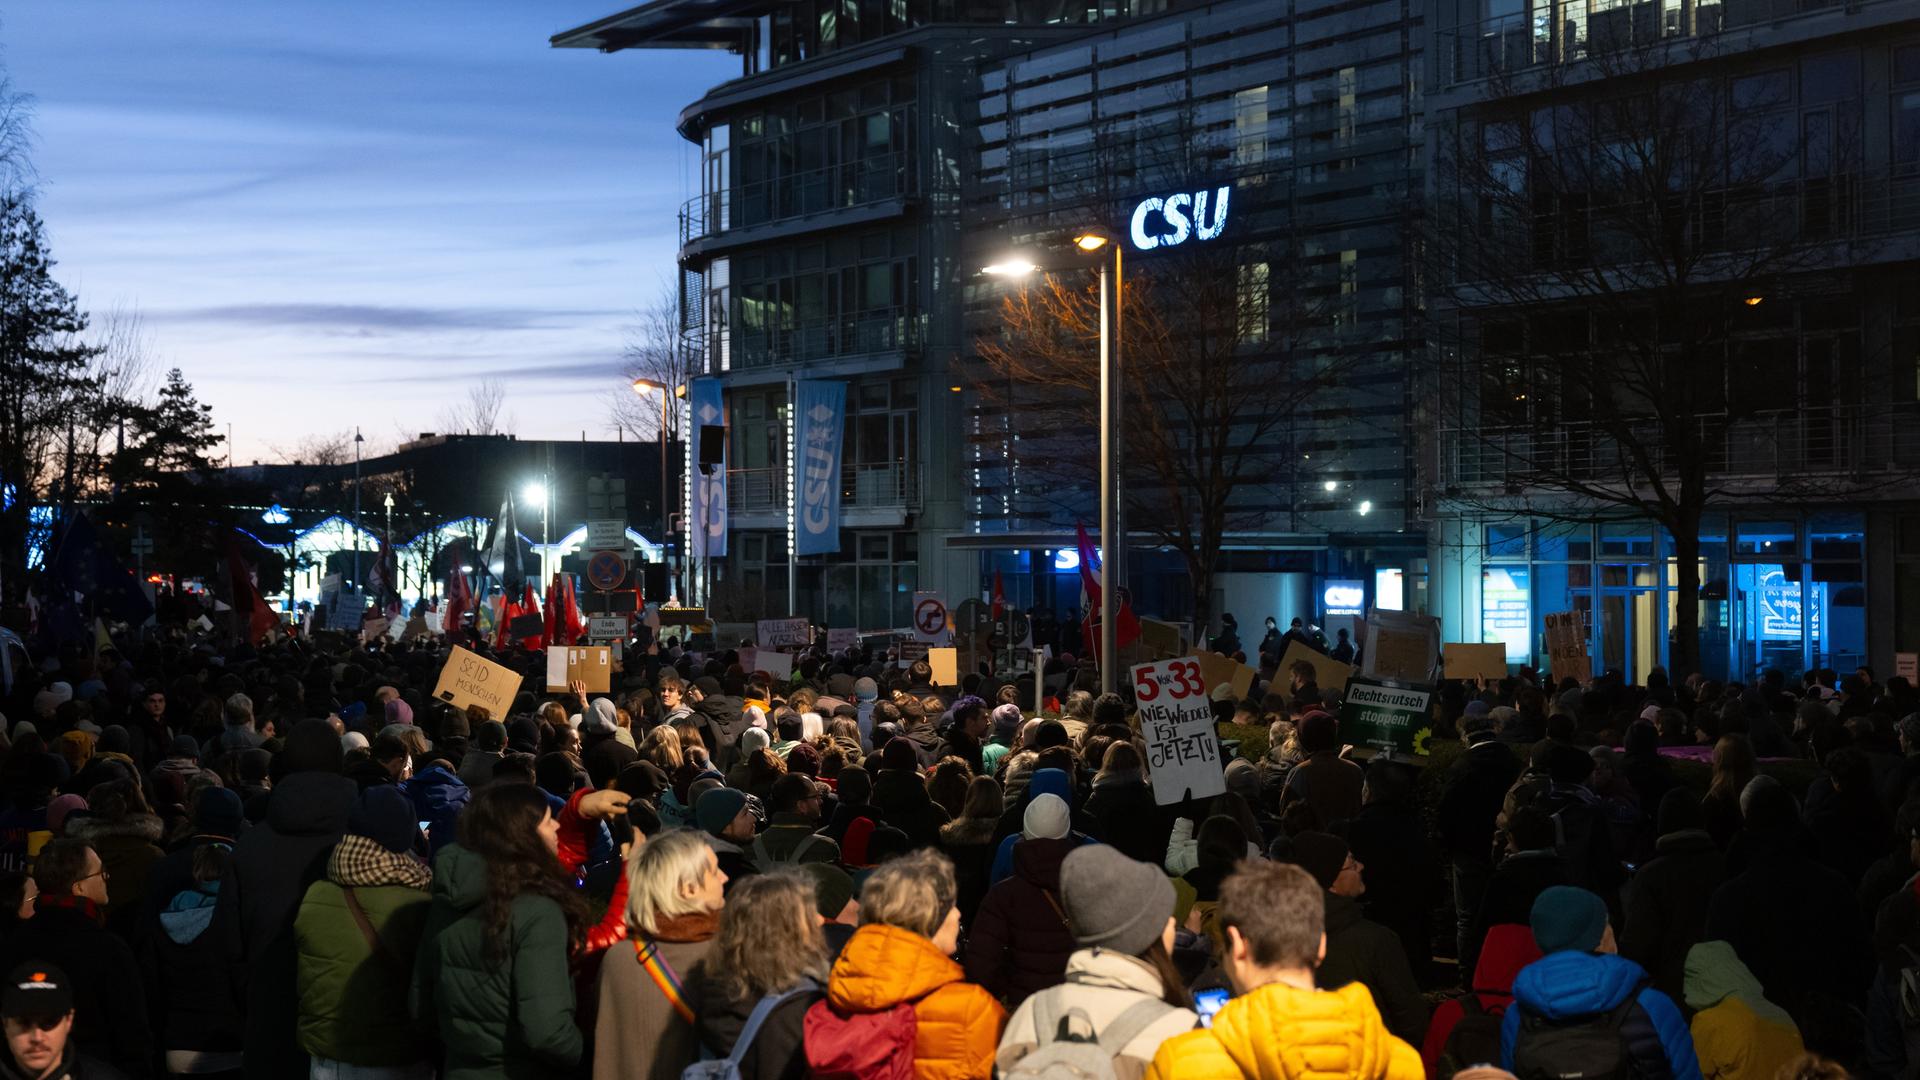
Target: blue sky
343,212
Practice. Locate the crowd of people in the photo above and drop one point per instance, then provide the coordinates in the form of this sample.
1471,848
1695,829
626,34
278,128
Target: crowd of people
291,860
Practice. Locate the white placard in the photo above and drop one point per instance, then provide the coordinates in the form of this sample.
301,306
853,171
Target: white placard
606,534
842,640
1176,720
606,627
782,633
556,667
777,664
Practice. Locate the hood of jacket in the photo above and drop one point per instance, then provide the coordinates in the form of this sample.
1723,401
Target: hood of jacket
726,714
1342,912
311,804
883,966
459,878
1509,948
145,827
1567,984
1279,1031
1715,973
1113,970
1050,782
435,788
1685,842
1037,862
965,831
896,788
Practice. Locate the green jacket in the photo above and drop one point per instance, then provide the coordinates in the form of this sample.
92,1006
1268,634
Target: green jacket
353,1005
512,1019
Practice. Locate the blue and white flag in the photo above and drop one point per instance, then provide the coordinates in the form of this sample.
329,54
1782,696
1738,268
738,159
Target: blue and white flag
819,414
707,505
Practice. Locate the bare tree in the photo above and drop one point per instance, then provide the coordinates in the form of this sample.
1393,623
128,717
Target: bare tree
1612,273
481,413
655,351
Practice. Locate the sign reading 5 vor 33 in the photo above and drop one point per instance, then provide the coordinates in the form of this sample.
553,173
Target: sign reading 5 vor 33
1176,720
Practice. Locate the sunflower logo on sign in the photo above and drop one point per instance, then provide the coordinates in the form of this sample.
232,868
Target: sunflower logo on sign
1422,739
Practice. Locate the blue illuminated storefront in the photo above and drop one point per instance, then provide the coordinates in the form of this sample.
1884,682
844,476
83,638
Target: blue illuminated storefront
1784,590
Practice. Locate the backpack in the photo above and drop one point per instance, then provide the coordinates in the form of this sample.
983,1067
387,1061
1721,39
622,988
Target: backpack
1067,1047
1587,1047
764,859
728,1068
1475,1038
861,1046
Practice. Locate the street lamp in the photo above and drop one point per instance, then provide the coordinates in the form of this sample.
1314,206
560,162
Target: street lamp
1112,514
643,387
394,585
536,491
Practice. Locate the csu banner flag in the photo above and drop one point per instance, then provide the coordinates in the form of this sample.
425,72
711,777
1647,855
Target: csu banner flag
707,505
820,411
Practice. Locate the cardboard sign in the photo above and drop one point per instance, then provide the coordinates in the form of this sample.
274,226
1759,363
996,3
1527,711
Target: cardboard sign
374,629
1906,665
470,679
417,627
782,633
1217,668
777,664
1567,646
1386,718
1176,720
1328,673
1401,647
1163,639
946,666
842,640
588,664
607,627
1473,660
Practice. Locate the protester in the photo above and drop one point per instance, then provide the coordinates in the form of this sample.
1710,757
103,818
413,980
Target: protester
1737,1033
125,833
724,814
357,933
1466,1030
1277,1020
1019,940
796,803
1667,901
37,1004
675,893
770,959
901,955
492,970
1358,949
968,841
196,1018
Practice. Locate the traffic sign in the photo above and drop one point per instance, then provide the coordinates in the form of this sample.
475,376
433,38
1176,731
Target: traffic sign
607,570
929,617
606,534
607,627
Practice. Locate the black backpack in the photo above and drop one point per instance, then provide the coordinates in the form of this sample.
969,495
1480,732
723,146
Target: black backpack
1475,1038
1588,1047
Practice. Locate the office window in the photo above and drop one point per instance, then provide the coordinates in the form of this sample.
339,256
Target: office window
1255,302
1250,126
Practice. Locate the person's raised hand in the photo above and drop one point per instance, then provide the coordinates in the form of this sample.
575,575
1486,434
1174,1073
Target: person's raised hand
603,804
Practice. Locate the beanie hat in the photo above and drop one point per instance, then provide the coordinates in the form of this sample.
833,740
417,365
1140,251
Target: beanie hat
1114,902
386,817
753,739
312,747
1567,918
352,740
218,813
60,808
900,754
1046,818
491,738
184,746
840,685
832,888
1006,721
714,810
708,686
865,689
54,696
1478,707
454,726
1319,731
1320,854
399,712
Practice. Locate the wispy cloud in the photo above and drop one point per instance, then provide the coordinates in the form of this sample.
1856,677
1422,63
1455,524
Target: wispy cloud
367,320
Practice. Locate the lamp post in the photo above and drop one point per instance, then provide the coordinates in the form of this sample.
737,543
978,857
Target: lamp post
357,440
537,491
394,585
1112,515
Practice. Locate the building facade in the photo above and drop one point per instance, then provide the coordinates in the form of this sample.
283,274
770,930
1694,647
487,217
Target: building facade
1737,392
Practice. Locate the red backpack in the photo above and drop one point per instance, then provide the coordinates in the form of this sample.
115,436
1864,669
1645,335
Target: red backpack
860,1046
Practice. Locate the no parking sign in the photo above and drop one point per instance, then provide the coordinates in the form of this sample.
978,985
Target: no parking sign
930,617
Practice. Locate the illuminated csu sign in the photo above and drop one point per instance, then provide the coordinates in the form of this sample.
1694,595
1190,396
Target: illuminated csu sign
1165,221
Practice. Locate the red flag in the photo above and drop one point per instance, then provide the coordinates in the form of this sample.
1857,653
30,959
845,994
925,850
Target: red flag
534,621
247,601
1126,628
459,600
553,633
999,596
576,625
509,611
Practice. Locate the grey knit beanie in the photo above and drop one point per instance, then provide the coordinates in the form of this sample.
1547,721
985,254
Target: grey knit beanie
1112,901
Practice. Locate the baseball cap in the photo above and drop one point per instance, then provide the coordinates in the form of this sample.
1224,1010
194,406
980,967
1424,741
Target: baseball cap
36,988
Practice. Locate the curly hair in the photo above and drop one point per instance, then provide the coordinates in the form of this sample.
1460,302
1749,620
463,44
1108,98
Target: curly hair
502,826
770,936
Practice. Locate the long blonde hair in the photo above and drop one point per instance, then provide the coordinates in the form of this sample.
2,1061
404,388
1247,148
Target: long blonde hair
770,936
655,875
662,747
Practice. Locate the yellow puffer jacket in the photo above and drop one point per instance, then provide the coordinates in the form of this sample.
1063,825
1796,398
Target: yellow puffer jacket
1280,1033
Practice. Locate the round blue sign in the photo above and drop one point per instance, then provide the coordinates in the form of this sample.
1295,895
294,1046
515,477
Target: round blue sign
607,570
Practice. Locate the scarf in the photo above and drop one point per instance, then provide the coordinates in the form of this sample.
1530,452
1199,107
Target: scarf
361,862
72,902
698,926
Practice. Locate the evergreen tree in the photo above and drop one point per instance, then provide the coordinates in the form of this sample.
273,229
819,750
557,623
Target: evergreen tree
181,437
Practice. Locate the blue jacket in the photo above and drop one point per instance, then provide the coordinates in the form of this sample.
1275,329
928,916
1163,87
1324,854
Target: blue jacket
438,797
1565,984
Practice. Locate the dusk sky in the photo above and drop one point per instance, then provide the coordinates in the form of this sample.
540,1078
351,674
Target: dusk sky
346,212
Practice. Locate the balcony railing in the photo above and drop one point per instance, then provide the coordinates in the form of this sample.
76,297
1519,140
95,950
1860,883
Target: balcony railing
1568,32
893,485
1865,440
863,182
779,342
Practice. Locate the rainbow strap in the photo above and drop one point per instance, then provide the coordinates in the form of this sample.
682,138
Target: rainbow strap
663,977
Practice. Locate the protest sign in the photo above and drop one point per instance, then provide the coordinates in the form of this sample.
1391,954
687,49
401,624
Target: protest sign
468,679
1216,669
1386,718
417,627
591,665
374,629
1328,674
1474,660
1183,753
913,650
606,627
1567,646
1163,639
842,639
349,606
777,664
1907,666
1400,647
782,633
946,666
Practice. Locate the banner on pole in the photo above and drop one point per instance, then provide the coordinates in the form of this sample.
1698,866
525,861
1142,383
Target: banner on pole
820,409
707,505
1176,720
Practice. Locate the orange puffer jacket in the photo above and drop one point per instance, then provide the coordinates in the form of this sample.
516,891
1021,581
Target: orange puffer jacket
957,1023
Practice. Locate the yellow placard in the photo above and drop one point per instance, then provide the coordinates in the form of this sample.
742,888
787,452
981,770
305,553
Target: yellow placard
1217,668
1328,674
1474,660
945,663
471,679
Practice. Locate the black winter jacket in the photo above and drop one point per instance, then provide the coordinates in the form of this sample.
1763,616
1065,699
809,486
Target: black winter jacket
778,1051
109,1006
1020,941
1474,793
1666,906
